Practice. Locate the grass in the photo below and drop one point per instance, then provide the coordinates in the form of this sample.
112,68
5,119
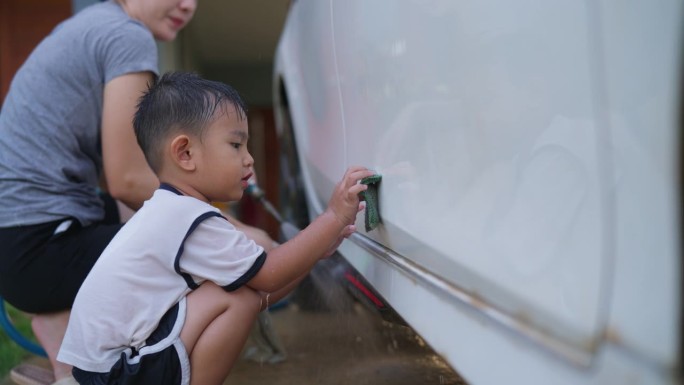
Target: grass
10,353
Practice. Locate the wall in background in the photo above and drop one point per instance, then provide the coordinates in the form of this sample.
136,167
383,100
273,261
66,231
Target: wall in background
23,24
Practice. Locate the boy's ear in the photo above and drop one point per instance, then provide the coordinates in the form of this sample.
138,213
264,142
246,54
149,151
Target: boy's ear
181,152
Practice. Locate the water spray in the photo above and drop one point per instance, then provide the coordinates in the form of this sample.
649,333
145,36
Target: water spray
288,229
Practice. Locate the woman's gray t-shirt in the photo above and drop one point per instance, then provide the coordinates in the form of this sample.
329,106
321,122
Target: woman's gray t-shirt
50,149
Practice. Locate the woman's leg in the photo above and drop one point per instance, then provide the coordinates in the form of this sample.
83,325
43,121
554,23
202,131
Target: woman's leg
216,327
41,272
49,329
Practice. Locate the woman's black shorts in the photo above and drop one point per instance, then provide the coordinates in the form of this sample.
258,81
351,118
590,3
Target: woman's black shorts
41,270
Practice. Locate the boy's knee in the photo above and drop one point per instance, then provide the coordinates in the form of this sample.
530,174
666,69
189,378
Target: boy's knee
210,298
248,297
212,292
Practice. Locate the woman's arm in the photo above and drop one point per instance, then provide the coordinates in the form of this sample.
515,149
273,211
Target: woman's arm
256,234
128,177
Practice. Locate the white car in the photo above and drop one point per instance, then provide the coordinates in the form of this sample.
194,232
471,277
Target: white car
530,153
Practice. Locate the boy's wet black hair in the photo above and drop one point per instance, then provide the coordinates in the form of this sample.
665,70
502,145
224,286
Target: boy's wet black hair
180,102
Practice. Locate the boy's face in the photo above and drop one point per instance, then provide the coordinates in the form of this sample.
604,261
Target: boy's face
224,164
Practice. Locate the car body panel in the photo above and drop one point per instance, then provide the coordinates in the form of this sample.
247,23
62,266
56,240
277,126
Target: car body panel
642,55
314,79
489,176
529,197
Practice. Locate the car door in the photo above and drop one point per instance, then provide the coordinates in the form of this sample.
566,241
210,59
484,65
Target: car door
480,116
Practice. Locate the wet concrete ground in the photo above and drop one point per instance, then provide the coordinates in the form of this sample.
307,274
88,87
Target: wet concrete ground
348,347
333,337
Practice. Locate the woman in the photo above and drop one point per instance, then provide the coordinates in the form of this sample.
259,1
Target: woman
65,132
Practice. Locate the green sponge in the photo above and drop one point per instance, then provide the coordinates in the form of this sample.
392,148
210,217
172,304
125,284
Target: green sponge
371,197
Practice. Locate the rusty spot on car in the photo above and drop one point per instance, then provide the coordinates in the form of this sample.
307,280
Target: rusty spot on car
612,335
478,301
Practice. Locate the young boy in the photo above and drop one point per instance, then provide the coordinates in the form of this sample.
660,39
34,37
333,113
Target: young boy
173,297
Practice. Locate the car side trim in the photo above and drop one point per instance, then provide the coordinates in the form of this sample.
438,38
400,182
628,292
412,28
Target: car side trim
579,356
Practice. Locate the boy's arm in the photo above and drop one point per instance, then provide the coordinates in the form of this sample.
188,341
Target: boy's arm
269,299
291,260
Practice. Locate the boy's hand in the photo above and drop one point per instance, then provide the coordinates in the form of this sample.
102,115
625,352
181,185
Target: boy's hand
345,233
344,202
